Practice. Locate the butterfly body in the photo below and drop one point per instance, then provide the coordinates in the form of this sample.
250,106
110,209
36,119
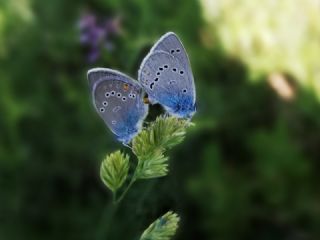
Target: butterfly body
166,76
118,99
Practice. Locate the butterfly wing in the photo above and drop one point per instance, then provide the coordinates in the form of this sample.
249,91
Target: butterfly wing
166,76
118,99
171,44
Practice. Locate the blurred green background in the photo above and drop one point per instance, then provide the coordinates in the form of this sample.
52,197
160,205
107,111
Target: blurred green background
248,170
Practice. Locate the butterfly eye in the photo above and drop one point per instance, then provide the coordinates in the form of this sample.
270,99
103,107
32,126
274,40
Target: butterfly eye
105,103
124,99
158,73
172,51
156,79
165,66
101,110
181,72
107,94
113,93
119,95
160,68
133,95
174,69
151,85
178,50
184,90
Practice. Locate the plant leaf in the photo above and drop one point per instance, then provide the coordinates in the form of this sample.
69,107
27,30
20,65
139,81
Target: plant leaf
151,143
114,170
163,228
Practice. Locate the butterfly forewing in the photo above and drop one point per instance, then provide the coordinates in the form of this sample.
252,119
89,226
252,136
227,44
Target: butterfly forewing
163,78
171,44
167,77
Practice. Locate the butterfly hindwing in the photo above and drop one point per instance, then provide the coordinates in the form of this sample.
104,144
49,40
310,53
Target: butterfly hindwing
118,99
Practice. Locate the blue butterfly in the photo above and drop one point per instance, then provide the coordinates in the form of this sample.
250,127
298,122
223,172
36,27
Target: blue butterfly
118,100
166,76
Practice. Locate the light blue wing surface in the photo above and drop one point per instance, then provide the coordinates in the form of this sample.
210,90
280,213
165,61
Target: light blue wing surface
166,76
118,100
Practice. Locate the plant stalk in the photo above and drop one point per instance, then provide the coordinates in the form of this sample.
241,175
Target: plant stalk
133,179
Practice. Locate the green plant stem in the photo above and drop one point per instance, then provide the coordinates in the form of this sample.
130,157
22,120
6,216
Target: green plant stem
114,197
133,179
105,223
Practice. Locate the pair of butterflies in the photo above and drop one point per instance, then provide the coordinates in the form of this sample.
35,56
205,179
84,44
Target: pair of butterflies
165,75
